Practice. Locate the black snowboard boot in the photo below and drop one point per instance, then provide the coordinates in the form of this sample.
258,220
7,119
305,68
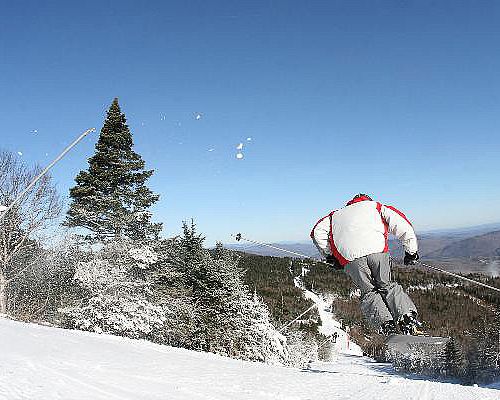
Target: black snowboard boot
410,325
388,328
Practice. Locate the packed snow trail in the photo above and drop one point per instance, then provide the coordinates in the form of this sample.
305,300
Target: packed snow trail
40,363
329,325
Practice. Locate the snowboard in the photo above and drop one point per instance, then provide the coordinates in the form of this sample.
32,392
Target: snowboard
406,344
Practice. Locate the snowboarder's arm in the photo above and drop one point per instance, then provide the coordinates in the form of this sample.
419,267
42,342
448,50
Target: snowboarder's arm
319,236
400,227
322,245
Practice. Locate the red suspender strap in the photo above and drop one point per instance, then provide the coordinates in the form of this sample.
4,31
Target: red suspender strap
386,228
400,214
335,252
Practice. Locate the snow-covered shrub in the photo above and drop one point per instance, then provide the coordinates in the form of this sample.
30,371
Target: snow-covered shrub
120,297
44,276
326,348
130,315
302,348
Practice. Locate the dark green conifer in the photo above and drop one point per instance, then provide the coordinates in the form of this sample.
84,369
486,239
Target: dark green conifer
453,359
110,199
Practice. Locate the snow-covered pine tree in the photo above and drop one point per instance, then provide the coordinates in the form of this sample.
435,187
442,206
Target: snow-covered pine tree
453,359
473,371
111,199
250,333
229,320
483,355
488,342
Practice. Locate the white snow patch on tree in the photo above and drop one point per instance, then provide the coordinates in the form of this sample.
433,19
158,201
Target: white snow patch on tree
119,302
128,315
144,256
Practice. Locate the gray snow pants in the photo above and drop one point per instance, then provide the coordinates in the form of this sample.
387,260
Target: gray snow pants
381,299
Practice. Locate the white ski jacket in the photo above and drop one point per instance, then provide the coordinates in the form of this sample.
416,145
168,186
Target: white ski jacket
362,228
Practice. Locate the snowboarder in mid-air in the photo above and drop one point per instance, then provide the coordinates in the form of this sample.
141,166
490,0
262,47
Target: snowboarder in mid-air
355,239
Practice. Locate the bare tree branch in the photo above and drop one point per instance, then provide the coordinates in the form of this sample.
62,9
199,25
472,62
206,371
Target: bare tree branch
30,216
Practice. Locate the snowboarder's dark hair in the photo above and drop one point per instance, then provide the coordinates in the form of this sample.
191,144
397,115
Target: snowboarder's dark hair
359,195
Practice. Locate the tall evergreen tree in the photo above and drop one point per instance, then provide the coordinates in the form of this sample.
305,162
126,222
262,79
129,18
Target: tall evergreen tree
111,199
453,359
488,352
228,319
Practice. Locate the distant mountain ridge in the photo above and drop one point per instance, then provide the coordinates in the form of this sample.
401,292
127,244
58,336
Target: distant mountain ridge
464,232
307,249
486,245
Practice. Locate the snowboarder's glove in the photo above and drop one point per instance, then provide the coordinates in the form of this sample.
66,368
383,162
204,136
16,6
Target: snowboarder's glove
334,262
410,259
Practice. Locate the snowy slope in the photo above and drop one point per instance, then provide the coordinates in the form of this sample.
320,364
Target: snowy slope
38,362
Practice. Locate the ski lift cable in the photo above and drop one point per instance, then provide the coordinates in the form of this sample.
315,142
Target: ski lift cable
239,237
459,276
292,321
41,174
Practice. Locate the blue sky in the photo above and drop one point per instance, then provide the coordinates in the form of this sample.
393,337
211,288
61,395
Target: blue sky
398,99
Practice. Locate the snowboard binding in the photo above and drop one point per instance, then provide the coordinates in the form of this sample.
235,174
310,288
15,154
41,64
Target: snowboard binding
409,325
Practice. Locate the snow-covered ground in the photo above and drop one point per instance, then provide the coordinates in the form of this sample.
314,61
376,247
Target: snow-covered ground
38,362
